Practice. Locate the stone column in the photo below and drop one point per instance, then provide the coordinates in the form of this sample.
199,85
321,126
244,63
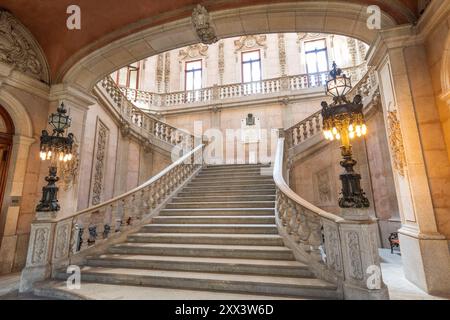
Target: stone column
418,155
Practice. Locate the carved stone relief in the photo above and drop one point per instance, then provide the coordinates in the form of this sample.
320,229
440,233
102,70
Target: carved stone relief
202,25
352,49
322,182
40,244
356,270
221,62
18,48
250,42
69,170
282,53
99,163
194,51
396,142
159,71
62,241
167,72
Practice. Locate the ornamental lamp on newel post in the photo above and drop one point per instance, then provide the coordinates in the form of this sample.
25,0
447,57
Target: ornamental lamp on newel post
56,148
343,120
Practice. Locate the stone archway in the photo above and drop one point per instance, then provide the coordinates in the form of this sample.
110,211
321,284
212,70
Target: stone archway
346,19
19,153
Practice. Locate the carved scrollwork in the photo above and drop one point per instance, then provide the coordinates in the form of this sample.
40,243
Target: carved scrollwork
354,252
19,49
249,42
396,143
193,51
202,24
99,162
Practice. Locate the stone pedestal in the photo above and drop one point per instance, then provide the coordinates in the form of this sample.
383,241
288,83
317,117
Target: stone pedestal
362,271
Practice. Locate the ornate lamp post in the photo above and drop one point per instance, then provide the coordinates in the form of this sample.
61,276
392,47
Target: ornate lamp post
343,120
55,148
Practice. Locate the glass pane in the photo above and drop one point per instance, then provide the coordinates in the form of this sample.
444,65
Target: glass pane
314,45
256,71
311,62
133,79
193,65
197,80
189,81
246,72
250,56
322,61
123,76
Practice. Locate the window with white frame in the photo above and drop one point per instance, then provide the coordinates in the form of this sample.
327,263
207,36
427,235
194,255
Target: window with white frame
193,75
316,56
128,76
251,66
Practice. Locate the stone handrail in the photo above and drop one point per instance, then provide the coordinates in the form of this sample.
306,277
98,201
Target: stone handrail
311,126
146,100
56,241
338,250
133,117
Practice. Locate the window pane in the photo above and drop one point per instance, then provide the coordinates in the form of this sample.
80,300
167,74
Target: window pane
256,71
322,61
133,79
189,81
193,65
246,71
123,76
314,45
197,80
311,62
250,56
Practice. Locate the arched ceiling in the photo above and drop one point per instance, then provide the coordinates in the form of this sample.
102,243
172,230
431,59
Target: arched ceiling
46,19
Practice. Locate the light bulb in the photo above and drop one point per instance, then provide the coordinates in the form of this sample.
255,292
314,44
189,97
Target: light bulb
358,128
359,134
43,155
49,155
69,157
338,136
350,128
364,129
61,156
352,135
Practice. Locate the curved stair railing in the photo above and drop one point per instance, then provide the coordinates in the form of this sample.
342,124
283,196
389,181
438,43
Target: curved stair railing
337,249
133,118
57,241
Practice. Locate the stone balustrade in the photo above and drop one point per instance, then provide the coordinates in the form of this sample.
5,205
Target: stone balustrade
134,118
57,240
341,250
148,100
312,126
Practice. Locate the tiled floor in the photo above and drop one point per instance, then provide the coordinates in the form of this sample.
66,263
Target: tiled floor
391,265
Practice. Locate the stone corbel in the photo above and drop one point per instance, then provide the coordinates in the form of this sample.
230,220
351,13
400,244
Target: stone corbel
202,24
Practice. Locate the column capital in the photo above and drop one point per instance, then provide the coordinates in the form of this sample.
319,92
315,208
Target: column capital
75,96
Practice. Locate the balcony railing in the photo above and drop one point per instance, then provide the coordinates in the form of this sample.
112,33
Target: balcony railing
148,100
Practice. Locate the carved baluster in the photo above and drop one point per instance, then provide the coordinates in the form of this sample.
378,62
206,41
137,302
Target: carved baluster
127,214
84,222
311,127
304,131
99,221
299,135
151,198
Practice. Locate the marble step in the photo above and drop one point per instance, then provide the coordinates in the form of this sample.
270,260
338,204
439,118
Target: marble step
228,204
233,184
208,198
214,219
228,187
227,177
235,166
204,250
252,284
236,192
211,228
202,238
197,264
218,212
56,289
255,171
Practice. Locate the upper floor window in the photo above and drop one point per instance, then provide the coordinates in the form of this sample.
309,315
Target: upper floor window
251,66
316,56
193,75
129,76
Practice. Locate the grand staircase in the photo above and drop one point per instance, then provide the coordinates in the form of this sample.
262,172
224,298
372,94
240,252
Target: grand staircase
217,237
